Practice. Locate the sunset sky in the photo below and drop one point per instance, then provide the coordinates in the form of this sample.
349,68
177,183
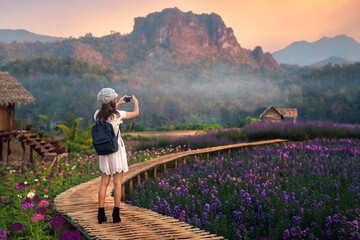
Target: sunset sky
272,24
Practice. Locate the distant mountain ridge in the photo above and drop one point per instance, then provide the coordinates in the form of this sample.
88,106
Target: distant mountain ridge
167,37
332,60
21,36
306,53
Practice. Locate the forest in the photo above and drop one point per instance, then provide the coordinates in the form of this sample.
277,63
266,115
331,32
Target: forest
66,89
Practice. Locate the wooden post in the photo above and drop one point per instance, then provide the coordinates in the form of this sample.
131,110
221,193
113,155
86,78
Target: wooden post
8,159
176,163
122,192
154,172
208,156
138,179
1,149
164,167
31,153
146,175
24,150
229,151
130,186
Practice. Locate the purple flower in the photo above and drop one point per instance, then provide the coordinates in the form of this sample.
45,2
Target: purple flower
17,227
10,202
286,234
3,234
56,222
27,204
36,199
71,235
41,210
328,221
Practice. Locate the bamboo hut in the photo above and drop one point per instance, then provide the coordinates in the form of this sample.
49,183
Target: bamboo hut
272,114
11,93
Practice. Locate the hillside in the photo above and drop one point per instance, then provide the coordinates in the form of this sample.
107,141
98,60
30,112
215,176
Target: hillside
332,60
306,53
21,36
167,39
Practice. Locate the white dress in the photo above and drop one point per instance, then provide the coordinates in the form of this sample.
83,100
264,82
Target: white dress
117,161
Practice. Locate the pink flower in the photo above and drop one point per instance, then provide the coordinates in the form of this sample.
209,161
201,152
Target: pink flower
6,183
79,173
37,217
46,190
44,203
3,197
33,190
31,172
52,181
59,174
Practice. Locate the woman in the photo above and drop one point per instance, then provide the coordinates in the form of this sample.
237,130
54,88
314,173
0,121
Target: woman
115,163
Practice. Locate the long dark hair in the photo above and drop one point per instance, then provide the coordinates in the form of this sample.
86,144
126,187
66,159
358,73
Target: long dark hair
107,110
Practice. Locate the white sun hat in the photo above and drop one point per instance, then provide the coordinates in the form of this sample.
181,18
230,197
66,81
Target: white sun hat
106,95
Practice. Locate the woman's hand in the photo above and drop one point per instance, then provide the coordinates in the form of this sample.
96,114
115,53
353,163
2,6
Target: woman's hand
121,101
136,111
134,99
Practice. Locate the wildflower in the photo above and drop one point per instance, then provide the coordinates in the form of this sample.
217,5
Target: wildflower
3,197
36,199
31,195
41,210
328,221
6,184
44,203
56,222
46,190
52,181
3,234
27,204
71,235
37,217
46,196
286,234
17,227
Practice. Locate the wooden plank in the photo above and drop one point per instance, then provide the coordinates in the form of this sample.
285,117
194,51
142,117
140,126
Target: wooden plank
137,223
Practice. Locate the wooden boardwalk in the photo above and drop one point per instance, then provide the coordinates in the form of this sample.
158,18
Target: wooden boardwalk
79,204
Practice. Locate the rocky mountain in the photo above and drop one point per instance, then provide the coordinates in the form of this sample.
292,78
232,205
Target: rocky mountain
306,53
21,36
169,37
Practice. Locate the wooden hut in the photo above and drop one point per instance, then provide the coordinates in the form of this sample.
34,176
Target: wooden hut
272,114
11,93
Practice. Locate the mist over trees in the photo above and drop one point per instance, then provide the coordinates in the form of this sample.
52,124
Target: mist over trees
66,89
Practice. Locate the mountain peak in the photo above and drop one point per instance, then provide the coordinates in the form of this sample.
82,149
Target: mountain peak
307,53
191,37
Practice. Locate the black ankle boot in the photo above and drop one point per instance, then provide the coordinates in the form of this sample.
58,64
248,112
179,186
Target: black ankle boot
116,215
101,215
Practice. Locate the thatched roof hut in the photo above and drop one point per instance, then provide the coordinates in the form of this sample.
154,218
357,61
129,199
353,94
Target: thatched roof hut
272,114
11,91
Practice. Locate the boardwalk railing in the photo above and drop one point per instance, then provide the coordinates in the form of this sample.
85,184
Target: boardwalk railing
79,204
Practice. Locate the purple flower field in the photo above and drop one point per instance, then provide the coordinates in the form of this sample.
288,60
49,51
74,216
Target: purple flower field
306,191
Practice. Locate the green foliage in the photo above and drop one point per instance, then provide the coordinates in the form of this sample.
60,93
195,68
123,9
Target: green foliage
45,120
218,94
247,120
190,126
75,141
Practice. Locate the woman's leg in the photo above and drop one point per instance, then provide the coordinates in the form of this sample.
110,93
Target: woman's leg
117,197
117,186
105,180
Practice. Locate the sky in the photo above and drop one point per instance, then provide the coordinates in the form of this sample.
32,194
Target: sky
271,24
